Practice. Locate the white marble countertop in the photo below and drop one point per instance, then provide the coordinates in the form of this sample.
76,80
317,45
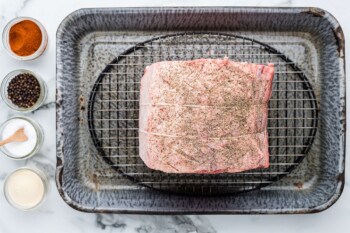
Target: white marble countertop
55,216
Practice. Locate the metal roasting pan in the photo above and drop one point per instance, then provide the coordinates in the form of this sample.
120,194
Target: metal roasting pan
101,54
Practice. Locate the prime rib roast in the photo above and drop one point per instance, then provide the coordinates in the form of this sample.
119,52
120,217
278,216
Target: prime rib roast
205,116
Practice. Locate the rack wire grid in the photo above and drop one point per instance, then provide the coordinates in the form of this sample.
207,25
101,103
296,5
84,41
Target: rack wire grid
113,112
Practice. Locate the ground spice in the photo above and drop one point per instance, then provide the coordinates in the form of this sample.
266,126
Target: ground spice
25,38
24,90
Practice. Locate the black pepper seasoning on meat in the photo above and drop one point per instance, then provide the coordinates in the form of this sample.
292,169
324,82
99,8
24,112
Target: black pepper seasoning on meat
24,90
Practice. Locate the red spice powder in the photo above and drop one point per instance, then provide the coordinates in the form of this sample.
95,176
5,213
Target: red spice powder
25,38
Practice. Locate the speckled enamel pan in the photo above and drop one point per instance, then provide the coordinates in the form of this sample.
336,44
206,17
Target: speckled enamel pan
89,39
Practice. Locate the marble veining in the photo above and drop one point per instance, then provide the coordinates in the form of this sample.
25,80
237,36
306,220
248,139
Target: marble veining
156,224
55,216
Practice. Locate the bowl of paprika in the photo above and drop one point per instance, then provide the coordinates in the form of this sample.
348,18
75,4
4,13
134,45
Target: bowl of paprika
25,38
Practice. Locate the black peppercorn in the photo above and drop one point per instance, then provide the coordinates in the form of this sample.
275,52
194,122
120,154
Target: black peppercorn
24,90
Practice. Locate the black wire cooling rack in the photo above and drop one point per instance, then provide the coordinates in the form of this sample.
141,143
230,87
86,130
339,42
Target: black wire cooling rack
113,112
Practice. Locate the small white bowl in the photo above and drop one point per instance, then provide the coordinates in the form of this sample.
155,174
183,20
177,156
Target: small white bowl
8,190
39,134
6,41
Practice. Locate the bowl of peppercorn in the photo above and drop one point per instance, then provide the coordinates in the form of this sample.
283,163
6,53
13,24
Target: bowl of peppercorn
23,91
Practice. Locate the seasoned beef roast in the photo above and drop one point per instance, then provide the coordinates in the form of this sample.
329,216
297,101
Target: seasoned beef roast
205,116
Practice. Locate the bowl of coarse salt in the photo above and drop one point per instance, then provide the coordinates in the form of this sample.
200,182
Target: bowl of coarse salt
21,149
